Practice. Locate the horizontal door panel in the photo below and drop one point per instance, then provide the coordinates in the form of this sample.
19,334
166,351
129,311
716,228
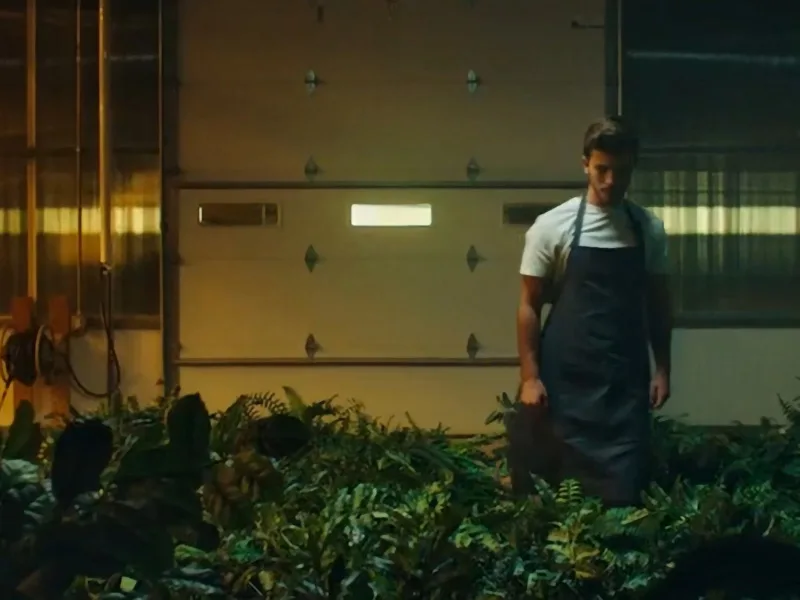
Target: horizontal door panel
388,132
379,308
322,219
238,42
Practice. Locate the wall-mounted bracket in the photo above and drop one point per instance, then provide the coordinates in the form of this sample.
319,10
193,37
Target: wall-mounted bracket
391,6
473,169
312,347
311,169
579,24
473,258
473,81
312,81
473,346
311,259
319,9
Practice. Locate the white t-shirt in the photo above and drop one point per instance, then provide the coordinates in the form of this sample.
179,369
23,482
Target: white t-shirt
548,241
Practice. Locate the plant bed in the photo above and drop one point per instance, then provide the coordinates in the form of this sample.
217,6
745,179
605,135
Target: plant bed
286,500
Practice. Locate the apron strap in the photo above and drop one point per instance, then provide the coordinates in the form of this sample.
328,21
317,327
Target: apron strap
576,236
636,225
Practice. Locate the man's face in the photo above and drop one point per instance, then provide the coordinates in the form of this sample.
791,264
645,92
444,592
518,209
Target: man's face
609,175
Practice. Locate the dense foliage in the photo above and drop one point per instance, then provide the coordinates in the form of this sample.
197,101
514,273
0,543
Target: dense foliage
286,500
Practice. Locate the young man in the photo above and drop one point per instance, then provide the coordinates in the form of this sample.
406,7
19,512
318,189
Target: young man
602,261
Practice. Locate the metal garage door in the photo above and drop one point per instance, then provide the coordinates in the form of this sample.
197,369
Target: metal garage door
309,132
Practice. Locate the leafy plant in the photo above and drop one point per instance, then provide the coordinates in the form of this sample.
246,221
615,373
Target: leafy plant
72,524
282,499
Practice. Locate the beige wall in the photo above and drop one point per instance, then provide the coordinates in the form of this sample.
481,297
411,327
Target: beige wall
720,376
139,353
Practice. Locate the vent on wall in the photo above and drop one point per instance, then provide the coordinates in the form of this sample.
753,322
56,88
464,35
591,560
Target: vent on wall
391,215
238,214
523,214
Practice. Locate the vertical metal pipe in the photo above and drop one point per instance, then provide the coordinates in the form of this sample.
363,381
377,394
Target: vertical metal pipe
79,154
103,129
163,250
31,167
104,174
168,99
620,56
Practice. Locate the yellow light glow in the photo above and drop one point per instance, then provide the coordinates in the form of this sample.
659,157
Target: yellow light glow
723,220
757,220
391,215
64,221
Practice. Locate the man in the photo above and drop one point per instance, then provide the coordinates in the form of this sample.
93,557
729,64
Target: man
602,261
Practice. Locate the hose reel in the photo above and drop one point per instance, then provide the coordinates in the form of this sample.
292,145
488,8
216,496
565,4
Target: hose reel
31,354
26,356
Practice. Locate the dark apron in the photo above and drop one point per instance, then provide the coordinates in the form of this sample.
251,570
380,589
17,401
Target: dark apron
594,363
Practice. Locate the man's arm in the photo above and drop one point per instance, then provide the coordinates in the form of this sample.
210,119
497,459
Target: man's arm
529,327
659,300
659,317
536,268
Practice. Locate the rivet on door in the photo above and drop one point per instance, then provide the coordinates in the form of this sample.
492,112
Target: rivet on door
473,82
473,169
312,347
312,81
473,258
311,259
473,346
311,169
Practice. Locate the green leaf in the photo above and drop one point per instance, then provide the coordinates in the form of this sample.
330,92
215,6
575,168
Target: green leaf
135,539
296,405
189,428
21,431
82,452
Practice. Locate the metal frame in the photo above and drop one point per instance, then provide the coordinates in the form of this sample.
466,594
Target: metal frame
348,362
614,56
379,185
169,122
32,163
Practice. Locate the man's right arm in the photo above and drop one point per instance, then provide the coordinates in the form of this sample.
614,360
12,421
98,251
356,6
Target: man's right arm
528,327
536,268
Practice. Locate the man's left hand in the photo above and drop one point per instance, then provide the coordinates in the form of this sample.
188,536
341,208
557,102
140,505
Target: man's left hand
659,389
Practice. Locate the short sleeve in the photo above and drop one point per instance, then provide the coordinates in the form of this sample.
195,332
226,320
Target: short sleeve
657,253
539,255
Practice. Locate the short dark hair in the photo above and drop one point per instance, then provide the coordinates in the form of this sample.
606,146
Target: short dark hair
612,135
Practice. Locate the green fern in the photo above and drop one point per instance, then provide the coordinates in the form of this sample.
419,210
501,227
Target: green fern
790,410
569,493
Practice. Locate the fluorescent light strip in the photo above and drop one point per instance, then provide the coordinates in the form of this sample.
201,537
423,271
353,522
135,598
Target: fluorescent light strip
391,215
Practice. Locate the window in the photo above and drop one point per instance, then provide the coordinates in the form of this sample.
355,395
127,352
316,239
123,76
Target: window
734,237
713,90
13,182
66,193
391,215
